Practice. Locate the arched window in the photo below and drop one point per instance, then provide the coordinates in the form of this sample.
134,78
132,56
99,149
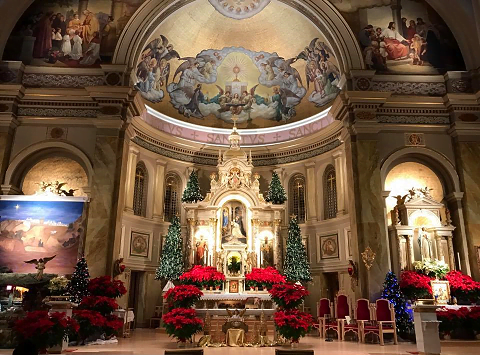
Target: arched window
330,192
140,190
172,196
297,197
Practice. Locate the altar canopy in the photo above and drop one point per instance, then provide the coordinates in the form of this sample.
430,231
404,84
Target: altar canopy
233,228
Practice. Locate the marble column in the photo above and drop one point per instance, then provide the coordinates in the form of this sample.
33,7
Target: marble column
312,185
439,247
410,254
451,253
190,241
130,181
467,218
464,226
340,181
278,244
102,212
158,191
367,215
82,6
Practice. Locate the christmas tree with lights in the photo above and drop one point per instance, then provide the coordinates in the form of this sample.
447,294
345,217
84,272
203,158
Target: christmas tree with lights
296,267
78,287
391,291
192,194
276,193
171,262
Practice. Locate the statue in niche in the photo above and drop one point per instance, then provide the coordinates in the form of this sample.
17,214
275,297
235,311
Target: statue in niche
201,247
425,244
219,258
267,253
251,261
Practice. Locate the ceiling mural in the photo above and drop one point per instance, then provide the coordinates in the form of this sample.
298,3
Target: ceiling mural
266,75
69,33
408,39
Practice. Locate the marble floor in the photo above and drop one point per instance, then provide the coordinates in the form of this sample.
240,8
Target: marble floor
151,342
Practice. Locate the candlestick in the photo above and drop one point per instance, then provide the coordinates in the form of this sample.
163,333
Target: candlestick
459,263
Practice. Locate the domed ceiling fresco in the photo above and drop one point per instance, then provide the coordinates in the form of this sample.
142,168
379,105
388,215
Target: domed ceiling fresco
205,66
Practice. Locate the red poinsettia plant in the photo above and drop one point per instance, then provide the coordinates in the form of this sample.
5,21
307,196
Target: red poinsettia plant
459,320
463,287
415,285
106,286
288,295
45,329
183,296
264,277
182,323
101,304
293,324
92,322
203,276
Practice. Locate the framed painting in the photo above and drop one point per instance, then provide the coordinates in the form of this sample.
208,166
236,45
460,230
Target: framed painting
441,291
139,244
233,286
329,246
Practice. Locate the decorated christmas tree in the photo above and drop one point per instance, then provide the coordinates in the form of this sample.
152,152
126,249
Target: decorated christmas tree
192,191
171,262
78,287
276,193
391,291
296,267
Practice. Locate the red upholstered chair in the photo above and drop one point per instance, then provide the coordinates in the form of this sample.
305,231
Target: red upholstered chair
385,321
362,314
324,307
342,309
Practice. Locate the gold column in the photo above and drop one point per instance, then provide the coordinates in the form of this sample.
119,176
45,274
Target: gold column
190,241
410,255
277,252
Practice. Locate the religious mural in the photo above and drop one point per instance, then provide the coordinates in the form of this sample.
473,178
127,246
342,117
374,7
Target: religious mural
411,40
282,87
234,223
72,33
38,230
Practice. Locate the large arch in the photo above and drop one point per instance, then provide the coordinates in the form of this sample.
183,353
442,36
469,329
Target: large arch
320,12
29,156
437,162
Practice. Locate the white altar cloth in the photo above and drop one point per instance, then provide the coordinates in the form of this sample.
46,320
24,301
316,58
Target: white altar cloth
234,296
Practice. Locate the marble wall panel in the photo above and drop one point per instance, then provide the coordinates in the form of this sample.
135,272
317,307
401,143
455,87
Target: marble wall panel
469,171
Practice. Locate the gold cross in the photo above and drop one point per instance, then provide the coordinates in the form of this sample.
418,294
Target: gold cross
331,179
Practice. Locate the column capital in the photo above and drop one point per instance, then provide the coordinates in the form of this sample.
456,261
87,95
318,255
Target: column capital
338,154
161,162
310,165
455,197
133,150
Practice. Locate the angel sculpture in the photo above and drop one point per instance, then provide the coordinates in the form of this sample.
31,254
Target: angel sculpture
68,193
40,265
236,314
400,199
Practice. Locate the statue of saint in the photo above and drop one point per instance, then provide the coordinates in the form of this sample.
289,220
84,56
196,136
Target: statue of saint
267,253
201,247
425,244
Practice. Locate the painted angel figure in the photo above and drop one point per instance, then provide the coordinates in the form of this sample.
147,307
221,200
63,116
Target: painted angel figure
40,265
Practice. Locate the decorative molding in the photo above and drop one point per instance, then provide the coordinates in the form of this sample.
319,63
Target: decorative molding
410,88
414,140
239,10
56,112
10,76
460,86
61,80
414,119
266,160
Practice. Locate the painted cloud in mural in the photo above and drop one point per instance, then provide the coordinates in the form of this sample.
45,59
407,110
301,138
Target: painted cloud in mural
236,95
354,5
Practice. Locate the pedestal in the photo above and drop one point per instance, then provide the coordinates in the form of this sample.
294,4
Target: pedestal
426,329
61,305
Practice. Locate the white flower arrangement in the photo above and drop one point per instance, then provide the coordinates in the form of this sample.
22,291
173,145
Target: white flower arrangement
432,267
58,285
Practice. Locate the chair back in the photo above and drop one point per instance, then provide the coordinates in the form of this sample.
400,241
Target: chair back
362,310
342,308
384,310
323,307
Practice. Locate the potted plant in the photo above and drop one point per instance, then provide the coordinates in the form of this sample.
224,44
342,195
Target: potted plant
415,285
292,324
183,296
433,268
46,331
263,277
463,287
182,323
234,265
58,287
106,286
288,295
91,323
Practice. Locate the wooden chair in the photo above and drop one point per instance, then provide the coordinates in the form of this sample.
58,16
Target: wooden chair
323,308
362,314
384,313
342,309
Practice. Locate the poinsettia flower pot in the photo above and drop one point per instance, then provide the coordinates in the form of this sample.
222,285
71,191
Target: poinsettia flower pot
59,348
182,344
252,288
217,288
294,343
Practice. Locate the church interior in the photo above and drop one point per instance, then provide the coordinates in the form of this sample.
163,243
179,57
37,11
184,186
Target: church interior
240,174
